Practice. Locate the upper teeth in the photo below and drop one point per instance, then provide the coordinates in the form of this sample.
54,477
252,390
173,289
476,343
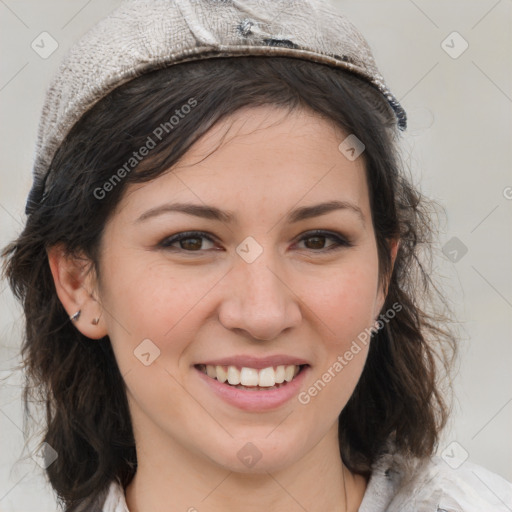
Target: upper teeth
266,377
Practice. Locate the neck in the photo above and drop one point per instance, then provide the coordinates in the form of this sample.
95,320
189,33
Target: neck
192,482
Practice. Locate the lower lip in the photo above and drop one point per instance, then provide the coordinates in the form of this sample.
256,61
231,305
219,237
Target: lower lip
255,400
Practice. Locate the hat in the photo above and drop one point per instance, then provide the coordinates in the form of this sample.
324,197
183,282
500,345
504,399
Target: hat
145,35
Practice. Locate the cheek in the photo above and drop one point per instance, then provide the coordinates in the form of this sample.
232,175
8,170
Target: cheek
155,301
344,300
345,311
143,295
152,313
344,306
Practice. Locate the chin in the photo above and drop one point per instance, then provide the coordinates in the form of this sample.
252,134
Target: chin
257,456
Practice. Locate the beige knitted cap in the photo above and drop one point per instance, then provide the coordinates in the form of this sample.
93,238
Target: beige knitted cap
145,35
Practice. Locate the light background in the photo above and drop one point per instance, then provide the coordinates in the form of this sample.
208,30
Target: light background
458,145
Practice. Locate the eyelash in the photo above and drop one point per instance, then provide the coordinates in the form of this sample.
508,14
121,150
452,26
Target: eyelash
340,241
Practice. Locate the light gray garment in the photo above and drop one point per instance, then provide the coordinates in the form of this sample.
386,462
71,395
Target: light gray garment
400,484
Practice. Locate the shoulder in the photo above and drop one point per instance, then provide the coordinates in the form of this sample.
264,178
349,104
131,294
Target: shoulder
402,484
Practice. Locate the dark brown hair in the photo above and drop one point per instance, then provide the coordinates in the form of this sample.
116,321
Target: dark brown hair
78,381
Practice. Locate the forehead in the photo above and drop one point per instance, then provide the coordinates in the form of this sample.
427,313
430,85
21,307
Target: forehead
261,158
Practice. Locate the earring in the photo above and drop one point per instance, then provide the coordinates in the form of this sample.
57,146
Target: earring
75,317
95,321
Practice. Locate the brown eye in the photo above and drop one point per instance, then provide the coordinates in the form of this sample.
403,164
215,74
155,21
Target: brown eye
191,244
189,241
316,241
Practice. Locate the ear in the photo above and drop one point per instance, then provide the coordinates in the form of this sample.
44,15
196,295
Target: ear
76,286
394,244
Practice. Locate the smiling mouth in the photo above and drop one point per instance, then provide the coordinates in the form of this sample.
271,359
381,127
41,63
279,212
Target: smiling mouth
252,379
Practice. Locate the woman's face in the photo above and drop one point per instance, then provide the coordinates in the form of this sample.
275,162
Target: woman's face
250,286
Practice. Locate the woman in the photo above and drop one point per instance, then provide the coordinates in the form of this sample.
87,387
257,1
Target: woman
221,273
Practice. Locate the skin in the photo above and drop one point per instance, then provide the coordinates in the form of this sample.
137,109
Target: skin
296,298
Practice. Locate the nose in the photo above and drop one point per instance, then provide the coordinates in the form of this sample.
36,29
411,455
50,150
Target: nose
259,300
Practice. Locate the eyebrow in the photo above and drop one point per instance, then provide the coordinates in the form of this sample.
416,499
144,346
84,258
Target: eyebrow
214,213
